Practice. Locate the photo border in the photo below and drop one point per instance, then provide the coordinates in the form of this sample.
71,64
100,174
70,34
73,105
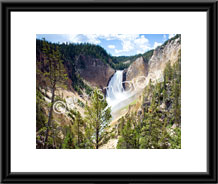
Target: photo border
149,177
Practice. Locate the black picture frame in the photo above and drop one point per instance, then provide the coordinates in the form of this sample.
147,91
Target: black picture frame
210,176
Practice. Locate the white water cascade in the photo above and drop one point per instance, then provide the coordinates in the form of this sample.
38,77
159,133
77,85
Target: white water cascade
117,97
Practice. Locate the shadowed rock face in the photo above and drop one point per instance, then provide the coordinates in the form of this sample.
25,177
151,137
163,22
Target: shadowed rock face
138,68
94,71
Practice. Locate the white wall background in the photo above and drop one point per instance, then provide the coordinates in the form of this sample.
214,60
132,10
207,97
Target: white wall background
25,26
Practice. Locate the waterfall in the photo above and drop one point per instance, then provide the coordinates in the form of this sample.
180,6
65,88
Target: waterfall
116,95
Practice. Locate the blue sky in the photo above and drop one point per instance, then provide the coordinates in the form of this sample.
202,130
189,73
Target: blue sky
114,44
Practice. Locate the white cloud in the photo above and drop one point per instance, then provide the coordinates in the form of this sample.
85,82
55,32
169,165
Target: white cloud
164,37
139,52
81,38
74,38
142,44
93,39
111,46
141,40
171,35
118,51
127,46
156,44
129,42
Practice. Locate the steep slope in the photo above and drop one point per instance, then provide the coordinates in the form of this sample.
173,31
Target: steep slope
154,120
153,69
91,68
87,65
94,71
138,68
170,52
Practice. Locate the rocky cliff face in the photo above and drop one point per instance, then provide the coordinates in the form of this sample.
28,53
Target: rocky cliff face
138,68
94,71
161,56
153,69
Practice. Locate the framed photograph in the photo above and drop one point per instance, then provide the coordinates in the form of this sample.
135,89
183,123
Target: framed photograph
109,92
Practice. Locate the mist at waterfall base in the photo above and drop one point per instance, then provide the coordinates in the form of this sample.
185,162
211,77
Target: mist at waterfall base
117,97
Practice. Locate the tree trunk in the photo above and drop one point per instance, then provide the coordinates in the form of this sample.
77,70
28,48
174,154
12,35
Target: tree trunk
53,132
78,135
97,139
50,117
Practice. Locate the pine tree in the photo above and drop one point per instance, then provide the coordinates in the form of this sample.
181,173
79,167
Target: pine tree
97,120
55,74
68,140
78,131
130,133
175,139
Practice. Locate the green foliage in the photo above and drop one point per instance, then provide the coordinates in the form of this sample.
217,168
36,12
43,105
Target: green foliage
67,54
78,131
130,134
71,52
97,118
79,85
147,55
55,73
158,127
161,111
175,139
80,103
119,62
93,131
40,112
68,141
173,38
52,73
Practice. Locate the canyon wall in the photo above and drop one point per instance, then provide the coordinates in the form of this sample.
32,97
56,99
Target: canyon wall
153,69
94,71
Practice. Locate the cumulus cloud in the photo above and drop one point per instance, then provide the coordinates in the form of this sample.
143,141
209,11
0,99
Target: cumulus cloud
129,42
111,46
156,44
142,44
141,40
164,37
81,38
171,35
